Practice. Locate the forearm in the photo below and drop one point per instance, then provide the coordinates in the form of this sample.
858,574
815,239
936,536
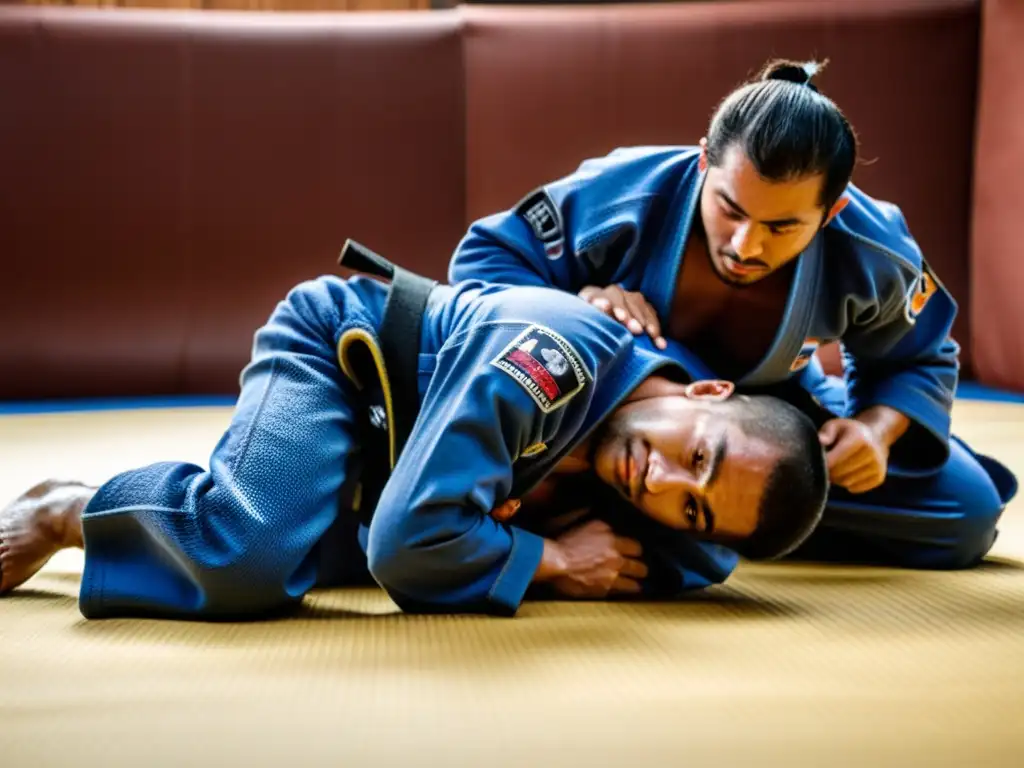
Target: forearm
888,424
923,398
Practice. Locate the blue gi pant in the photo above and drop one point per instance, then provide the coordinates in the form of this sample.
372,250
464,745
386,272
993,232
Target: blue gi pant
943,520
241,538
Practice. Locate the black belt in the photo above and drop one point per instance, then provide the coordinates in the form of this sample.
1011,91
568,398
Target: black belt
399,332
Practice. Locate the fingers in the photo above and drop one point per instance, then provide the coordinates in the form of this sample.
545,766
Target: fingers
635,311
865,486
860,473
625,586
636,569
829,432
853,468
628,307
647,317
844,453
628,547
849,465
864,479
595,296
506,510
624,317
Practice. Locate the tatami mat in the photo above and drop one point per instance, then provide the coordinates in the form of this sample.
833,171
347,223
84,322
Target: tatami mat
788,665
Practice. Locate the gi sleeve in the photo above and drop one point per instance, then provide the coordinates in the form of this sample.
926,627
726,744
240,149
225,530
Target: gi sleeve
528,245
496,392
582,229
904,358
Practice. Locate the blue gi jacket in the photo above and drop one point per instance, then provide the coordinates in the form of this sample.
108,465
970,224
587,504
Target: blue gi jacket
511,381
625,218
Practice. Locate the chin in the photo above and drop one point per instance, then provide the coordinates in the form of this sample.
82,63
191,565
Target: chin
731,279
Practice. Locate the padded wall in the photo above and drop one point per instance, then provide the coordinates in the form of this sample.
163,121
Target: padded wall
997,252
168,176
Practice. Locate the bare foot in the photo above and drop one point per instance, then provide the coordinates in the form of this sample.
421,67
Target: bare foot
41,522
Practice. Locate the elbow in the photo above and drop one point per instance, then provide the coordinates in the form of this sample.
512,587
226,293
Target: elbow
391,560
408,566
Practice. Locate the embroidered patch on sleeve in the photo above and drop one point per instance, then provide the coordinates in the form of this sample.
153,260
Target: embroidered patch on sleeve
545,365
920,292
545,220
810,346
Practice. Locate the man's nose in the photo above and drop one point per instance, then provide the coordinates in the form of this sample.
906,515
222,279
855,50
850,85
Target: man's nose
665,475
747,241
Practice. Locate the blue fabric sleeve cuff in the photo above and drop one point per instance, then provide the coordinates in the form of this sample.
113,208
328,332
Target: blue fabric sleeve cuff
507,592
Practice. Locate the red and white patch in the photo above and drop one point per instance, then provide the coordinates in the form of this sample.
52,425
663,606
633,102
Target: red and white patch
545,365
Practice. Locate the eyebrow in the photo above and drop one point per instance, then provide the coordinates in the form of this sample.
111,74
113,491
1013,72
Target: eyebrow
775,223
717,459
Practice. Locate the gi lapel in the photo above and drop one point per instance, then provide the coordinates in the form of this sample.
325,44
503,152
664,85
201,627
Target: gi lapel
800,305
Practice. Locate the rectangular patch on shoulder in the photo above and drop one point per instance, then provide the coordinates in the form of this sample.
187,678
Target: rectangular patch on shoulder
545,220
545,365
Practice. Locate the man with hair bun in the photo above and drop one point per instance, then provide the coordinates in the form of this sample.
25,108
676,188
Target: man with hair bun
752,249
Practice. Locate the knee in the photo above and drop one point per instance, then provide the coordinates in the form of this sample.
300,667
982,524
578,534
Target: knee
943,522
973,502
969,544
240,593
251,573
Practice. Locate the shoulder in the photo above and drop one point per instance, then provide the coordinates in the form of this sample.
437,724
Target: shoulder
877,233
871,252
620,185
623,174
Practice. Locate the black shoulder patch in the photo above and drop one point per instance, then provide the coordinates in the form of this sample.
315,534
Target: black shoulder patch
546,365
544,218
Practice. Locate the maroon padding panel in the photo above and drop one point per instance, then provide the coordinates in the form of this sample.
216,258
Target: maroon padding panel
168,176
997,252
548,87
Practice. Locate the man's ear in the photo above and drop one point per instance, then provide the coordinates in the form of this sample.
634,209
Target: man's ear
710,389
657,386
702,162
841,203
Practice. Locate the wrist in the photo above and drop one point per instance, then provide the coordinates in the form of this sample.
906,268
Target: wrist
888,424
553,562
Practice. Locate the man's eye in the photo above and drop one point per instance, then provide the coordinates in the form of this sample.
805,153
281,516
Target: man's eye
691,512
698,458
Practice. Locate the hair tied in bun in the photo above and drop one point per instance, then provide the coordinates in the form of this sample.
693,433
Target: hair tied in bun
797,72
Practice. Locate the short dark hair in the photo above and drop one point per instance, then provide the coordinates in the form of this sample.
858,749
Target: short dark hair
787,128
797,488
